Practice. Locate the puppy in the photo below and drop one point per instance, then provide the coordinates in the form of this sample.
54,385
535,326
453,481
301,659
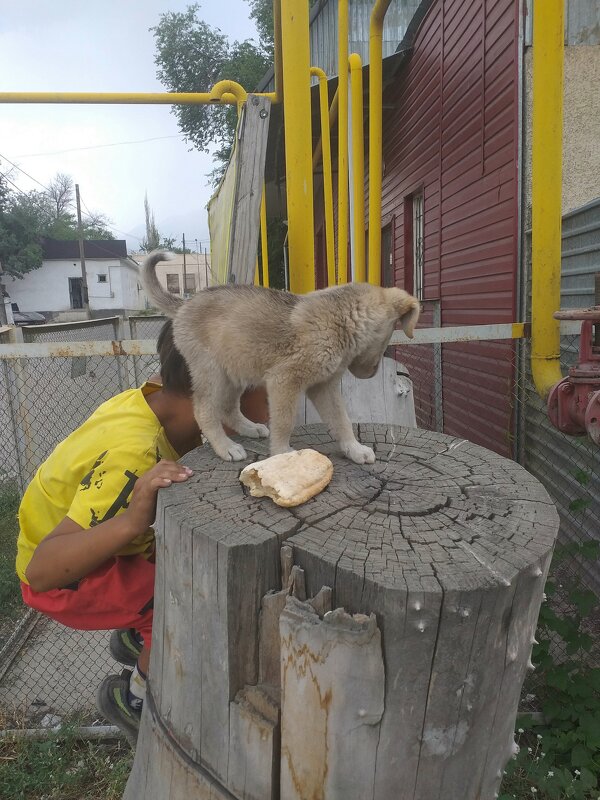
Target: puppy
233,337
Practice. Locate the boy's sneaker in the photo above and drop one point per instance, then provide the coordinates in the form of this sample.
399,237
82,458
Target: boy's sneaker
111,699
125,646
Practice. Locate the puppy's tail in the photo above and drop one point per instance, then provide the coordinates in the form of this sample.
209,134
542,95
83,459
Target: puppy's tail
163,300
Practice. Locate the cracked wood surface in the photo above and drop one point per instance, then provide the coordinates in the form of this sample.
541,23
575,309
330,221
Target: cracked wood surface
446,543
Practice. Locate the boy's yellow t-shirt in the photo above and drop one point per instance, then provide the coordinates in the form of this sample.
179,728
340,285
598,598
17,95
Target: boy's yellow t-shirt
89,476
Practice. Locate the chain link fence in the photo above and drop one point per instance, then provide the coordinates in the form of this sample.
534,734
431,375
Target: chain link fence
481,391
46,670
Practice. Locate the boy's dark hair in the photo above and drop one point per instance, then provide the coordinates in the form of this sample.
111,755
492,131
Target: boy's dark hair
173,368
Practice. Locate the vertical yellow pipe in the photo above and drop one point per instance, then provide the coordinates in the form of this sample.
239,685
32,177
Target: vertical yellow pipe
327,173
278,65
375,137
264,247
333,110
256,273
298,145
342,237
358,167
548,43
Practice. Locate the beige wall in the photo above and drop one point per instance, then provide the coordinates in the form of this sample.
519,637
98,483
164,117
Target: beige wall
581,128
194,265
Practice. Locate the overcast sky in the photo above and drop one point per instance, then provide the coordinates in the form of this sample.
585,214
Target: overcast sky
77,45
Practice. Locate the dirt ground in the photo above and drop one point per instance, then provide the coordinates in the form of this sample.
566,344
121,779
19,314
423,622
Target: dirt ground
56,672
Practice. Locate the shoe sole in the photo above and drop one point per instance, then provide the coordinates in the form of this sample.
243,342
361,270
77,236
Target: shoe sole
109,699
121,651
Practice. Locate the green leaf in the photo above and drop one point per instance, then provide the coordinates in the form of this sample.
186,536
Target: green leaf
584,601
579,504
582,477
588,779
581,756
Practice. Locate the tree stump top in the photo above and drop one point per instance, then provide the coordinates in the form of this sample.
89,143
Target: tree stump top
434,513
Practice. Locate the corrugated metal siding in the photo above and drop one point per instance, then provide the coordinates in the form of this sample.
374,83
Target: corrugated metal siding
452,132
560,461
323,31
582,22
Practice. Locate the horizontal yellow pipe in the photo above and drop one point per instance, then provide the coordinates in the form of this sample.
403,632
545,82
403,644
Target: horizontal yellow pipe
227,92
546,188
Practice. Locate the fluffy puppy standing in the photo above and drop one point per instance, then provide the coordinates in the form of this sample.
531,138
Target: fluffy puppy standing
234,337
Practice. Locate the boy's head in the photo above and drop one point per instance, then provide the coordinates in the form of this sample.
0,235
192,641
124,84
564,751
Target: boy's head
173,369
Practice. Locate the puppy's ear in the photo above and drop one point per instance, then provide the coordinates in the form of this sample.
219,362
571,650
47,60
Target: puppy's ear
407,309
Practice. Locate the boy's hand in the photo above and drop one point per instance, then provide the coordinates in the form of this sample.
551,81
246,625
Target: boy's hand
142,507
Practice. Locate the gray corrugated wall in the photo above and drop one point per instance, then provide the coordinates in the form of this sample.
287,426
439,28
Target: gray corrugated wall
582,22
323,31
569,466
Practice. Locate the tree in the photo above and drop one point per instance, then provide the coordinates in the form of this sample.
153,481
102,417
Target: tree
20,250
262,14
191,57
152,239
27,217
61,195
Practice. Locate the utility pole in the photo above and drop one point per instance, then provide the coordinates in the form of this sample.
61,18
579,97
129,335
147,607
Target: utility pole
84,285
184,272
3,317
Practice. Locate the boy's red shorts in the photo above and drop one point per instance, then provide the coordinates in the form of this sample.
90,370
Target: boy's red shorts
118,594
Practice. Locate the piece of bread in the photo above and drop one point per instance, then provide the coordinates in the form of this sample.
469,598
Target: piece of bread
289,479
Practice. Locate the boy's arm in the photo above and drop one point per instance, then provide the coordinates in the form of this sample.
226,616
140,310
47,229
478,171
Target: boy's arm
70,552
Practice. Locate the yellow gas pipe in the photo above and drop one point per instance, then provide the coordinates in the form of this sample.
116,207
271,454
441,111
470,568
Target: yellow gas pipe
327,173
546,185
358,168
375,137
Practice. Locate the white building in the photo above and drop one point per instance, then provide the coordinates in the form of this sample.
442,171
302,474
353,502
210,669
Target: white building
56,288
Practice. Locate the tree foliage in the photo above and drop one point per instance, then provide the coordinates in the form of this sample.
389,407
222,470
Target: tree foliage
152,239
192,56
27,217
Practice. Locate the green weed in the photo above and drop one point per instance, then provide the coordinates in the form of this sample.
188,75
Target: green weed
63,767
559,755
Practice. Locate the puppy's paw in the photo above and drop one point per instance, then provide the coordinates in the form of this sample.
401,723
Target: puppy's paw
235,452
357,452
255,431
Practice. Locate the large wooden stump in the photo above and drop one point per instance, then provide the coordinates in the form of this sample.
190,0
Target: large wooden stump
397,681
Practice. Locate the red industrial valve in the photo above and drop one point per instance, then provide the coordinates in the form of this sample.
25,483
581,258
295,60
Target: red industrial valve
574,402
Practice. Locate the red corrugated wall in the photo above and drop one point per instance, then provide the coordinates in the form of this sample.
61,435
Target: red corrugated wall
450,128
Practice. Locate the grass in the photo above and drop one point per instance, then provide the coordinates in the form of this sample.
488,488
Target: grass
63,767
11,605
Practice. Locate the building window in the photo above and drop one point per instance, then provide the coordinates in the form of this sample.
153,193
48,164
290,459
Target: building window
417,244
190,284
101,278
173,283
388,277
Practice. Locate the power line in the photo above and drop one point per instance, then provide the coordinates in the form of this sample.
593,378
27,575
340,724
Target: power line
98,146
16,166
72,204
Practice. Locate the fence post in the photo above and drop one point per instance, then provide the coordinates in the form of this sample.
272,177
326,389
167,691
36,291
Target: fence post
20,414
434,559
